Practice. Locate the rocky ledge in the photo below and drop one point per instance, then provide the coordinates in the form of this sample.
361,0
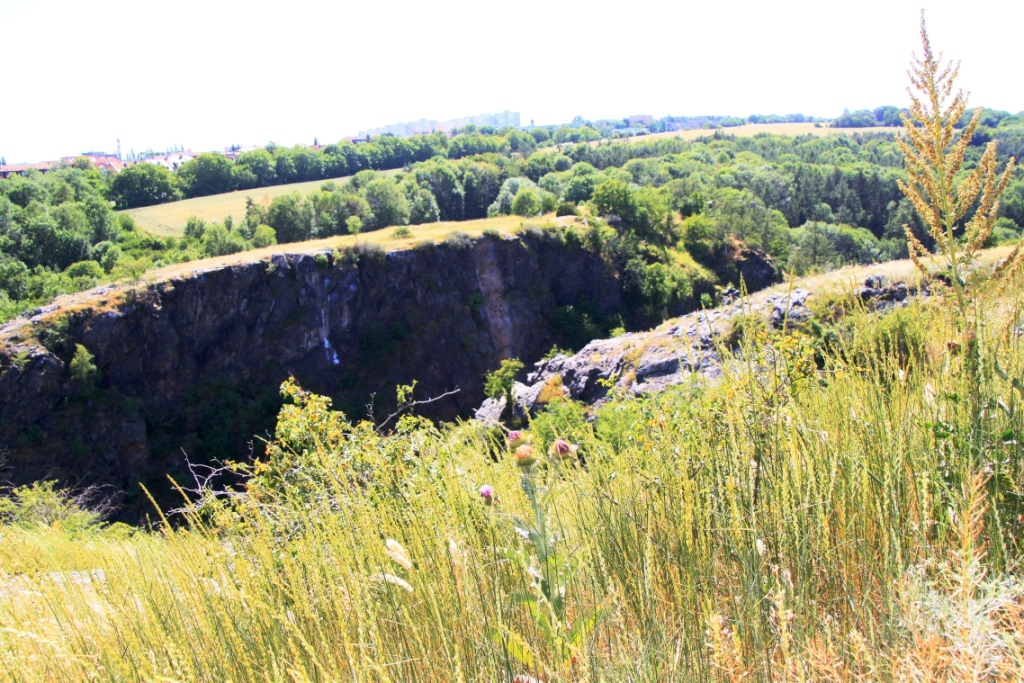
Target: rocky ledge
649,362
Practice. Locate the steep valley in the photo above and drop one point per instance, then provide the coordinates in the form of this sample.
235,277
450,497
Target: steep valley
189,366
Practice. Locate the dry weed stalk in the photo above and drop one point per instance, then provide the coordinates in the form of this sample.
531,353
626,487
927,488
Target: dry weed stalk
934,156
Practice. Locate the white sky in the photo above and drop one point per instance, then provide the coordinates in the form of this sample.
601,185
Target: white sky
79,74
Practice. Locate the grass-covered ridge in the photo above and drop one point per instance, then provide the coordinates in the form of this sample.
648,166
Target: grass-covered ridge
830,509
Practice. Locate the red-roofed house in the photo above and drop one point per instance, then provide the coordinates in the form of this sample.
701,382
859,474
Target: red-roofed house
21,169
106,163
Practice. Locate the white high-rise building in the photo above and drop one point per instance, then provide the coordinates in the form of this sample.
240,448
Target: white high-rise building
506,119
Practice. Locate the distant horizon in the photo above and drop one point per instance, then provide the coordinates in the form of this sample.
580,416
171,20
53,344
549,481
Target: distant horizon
208,75
181,146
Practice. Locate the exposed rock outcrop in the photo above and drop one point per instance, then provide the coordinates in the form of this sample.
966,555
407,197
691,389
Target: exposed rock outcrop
677,351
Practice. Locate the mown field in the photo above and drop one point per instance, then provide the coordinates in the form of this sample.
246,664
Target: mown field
169,219
752,129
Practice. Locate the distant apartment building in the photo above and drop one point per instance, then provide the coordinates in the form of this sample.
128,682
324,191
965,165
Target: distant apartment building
506,119
674,123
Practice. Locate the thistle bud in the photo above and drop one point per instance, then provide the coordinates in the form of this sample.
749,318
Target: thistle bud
516,438
525,456
562,449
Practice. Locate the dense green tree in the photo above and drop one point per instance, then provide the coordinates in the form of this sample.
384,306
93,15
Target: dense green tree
502,205
23,191
541,135
143,184
527,202
441,179
261,164
482,183
615,198
291,219
423,208
218,241
207,174
89,269
387,202
14,277
195,227
580,188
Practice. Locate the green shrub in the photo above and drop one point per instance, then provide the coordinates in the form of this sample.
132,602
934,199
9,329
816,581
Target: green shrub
744,326
566,209
195,228
41,505
369,251
898,336
401,233
88,269
52,334
501,382
458,241
264,236
575,326
83,369
321,261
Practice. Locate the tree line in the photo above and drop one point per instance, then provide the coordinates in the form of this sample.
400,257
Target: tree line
811,202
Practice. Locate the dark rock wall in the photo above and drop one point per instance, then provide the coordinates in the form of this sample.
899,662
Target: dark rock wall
197,360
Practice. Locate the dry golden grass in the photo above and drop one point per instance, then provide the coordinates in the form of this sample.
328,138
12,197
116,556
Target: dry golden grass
169,219
752,129
849,277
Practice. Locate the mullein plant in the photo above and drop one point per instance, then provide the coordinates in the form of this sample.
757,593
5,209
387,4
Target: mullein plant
550,568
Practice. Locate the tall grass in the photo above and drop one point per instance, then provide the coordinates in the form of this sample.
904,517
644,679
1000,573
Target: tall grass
827,511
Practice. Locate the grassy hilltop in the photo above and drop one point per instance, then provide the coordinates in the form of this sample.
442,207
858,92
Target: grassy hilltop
168,220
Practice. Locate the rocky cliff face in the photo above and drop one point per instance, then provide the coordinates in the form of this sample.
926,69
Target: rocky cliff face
680,350
192,364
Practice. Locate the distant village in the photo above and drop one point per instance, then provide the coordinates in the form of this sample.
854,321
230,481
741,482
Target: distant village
638,124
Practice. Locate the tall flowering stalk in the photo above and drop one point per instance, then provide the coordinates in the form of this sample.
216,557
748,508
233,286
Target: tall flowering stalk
934,155
551,570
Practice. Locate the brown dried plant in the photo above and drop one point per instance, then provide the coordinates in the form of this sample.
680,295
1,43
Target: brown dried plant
934,156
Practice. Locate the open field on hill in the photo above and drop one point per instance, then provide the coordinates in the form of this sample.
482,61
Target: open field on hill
168,220
752,129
